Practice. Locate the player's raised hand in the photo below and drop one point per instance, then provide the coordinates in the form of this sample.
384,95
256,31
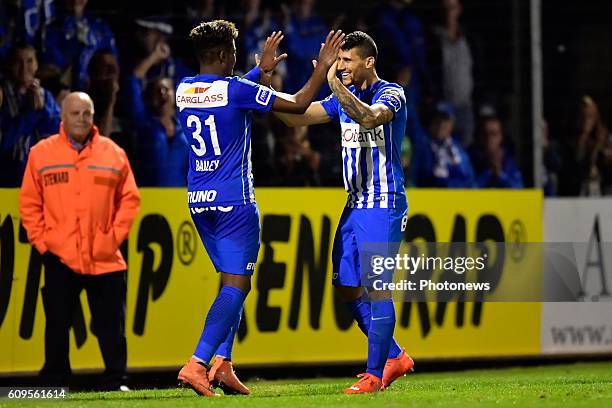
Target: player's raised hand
269,60
329,50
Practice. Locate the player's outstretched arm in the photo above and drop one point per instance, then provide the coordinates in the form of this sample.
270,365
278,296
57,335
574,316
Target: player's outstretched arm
368,116
314,115
300,102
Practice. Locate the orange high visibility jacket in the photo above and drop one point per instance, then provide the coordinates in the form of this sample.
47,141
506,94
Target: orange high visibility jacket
79,206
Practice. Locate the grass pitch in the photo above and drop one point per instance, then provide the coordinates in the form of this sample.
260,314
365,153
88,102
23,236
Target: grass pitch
570,385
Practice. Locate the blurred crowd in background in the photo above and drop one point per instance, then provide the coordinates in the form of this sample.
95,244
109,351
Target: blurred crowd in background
457,134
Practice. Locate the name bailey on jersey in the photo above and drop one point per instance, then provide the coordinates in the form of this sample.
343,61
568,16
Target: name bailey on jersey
206,165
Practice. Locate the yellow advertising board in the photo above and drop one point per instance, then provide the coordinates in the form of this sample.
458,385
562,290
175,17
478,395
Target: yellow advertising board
291,314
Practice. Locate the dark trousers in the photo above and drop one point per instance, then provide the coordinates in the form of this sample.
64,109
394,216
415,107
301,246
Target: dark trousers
106,297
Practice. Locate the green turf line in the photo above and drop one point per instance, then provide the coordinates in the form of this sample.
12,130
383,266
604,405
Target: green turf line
570,385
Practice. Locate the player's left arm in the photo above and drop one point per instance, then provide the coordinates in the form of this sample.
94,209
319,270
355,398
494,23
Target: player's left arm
369,116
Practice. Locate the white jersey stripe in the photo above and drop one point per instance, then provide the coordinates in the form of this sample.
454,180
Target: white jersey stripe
246,129
359,179
370,182
344,172
250,176
391,161
376,173
349,174
382,171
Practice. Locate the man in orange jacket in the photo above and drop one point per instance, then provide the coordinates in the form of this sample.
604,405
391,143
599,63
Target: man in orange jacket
78,200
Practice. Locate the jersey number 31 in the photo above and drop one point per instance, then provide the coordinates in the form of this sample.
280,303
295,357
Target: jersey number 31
197,134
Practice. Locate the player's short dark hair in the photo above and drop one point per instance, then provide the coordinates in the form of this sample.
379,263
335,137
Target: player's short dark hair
208,37
366,47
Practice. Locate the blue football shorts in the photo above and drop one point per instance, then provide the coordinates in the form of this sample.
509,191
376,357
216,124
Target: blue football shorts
230,236
362,235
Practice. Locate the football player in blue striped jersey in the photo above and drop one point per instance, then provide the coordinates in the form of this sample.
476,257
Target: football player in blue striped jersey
372,115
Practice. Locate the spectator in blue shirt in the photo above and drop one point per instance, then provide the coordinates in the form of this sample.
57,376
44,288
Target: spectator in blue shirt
36,14
455,64
23,21
402,39
442,161
418,162
151,34
28,113
103,86
198,11
304,33
6,28
72,39
257,25
160,144
493,162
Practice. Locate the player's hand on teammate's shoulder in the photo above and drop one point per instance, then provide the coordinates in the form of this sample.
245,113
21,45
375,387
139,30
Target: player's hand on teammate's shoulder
328,54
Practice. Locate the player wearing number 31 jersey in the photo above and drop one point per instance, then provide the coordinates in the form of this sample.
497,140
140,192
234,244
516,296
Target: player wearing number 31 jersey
214,109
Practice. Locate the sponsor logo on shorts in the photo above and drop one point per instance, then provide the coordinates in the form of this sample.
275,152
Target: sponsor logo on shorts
201,196
381,197
200,210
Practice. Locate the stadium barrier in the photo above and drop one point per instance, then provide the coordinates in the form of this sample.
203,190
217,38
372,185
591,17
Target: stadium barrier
572,328
291,315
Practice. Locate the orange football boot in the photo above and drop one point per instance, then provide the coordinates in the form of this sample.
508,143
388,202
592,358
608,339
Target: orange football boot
222,374
195,376
367,383
397,367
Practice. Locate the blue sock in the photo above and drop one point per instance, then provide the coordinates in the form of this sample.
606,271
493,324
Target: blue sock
362,312
219,321
379,336
225,349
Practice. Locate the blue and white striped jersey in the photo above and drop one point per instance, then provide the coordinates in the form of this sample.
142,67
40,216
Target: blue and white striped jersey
373,174
215,113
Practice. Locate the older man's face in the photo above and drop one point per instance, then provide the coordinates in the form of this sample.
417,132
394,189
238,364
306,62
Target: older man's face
77,116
